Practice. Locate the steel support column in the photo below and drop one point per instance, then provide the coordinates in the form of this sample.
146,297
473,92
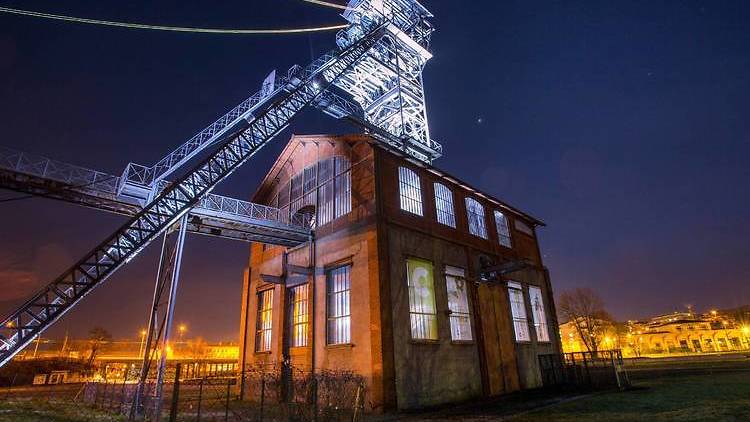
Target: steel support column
159,333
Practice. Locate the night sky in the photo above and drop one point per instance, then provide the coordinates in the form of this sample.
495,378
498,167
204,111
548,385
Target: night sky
623,125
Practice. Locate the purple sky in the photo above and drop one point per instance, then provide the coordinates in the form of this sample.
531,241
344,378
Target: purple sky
623,125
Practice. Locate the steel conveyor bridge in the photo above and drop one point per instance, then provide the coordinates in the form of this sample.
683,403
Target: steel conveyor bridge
373,77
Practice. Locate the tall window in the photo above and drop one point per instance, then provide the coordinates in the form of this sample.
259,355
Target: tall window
475,215
537,312
410,191
422,309
338,309
263,323
444,205
299,315
503,233
518,312
458,304
325,186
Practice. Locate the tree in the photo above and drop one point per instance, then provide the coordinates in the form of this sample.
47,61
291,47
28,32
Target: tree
98,337
585,309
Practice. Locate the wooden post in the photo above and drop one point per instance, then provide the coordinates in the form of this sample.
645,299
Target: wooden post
175,394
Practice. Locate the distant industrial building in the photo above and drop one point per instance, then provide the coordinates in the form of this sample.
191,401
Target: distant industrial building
673,334
431,289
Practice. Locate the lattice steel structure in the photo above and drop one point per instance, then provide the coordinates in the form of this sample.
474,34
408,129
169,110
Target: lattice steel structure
373,78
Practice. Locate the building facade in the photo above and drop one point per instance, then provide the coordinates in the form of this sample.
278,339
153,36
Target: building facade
431,290
674,334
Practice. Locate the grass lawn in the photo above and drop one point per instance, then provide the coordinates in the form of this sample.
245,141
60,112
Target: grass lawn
716,397
42,411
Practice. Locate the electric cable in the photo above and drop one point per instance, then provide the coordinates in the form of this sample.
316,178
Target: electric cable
327,4
131,25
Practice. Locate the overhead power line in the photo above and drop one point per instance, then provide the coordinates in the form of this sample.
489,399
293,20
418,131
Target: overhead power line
168,28
327,4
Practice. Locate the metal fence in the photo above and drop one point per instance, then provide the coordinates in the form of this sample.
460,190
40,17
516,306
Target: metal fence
253,394
584,370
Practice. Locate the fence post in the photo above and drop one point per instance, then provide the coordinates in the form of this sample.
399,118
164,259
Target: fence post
226,406
315,398
200,397
175,394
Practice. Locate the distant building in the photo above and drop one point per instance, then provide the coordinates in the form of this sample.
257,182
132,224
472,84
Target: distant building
430,289
677,333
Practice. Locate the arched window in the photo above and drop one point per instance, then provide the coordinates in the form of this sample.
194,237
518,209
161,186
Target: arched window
410,191
475,215
444,205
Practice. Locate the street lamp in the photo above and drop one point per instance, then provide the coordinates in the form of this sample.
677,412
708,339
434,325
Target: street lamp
143,340
182,328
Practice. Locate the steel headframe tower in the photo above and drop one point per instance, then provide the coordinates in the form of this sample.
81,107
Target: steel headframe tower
387,82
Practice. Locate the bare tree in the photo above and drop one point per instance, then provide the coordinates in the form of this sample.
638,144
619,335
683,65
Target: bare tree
98,337
585,310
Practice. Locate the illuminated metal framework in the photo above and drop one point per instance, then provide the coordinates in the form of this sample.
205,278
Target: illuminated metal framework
373,78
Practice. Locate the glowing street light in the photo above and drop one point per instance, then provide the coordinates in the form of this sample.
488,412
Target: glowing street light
182,328
143,339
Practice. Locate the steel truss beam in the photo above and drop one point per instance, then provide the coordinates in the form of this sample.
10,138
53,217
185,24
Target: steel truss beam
172,203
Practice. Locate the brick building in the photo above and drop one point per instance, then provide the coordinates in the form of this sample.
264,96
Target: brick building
429,288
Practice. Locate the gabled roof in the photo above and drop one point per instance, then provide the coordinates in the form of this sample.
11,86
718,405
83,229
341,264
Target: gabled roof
296,141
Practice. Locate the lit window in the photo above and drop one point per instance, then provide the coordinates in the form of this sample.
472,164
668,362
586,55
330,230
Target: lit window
458,304
338,289
299,315
422,309
263,323
444,205
518,311
503,233
537,311
410,191
475,214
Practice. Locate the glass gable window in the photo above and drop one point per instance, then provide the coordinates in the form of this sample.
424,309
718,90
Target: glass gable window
422,309
540,317
338,309
444,205
503,233
318,194
299,317
458,304
518,312
410,191
475,215
263,323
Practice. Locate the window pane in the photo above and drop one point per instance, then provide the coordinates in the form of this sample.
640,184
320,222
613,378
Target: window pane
410,191
263,323
423,313
343,186
538,313
444,205
299,315
325,203
475,215
518,312
338,291
458,304
501,224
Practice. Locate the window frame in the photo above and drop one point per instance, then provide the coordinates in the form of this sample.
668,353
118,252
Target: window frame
542,323
264,327
410,191
502,227
444,195
299,324
456,274
430,317
480,219
347,292
520,322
